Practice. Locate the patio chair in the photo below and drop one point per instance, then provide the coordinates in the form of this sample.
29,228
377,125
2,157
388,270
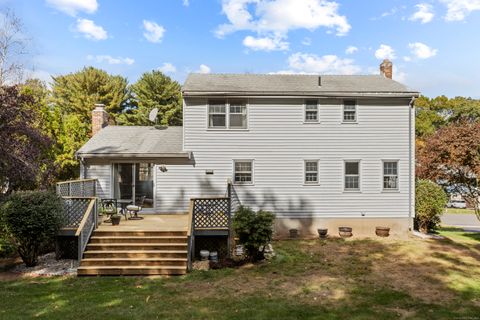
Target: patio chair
133,209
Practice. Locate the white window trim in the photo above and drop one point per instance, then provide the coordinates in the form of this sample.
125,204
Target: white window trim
359,190
397,189
309,183
227,116
233,172
305,121
356,112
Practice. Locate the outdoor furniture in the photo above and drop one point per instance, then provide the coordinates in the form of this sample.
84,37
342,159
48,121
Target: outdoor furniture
123,205
133,209
109,207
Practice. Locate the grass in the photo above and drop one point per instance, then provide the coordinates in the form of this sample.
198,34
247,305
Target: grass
314,279
459,211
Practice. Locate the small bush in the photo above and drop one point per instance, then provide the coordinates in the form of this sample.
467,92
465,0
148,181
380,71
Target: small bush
430,201
254,230
31,220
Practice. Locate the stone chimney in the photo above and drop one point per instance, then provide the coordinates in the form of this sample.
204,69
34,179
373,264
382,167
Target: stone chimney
386,68
99,118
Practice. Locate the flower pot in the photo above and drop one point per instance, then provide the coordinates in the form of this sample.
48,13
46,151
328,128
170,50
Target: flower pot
115,220
204,255
382,231
345,232
293,233
322,233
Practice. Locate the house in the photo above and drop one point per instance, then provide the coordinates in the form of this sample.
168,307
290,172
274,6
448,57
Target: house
317,150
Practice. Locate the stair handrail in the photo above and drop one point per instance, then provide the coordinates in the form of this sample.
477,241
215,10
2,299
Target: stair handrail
190,235
86,227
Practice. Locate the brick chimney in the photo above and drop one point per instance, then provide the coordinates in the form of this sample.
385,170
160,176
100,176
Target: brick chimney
386,68
99,118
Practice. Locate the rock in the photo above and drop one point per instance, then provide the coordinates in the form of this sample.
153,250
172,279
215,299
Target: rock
268,251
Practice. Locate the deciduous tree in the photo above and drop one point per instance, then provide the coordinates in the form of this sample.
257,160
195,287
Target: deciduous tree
452,158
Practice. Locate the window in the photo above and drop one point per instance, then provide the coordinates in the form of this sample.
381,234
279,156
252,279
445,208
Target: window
352,175
223,114
390,175
349,111
238,115
217,117
311,111
243,171
311,171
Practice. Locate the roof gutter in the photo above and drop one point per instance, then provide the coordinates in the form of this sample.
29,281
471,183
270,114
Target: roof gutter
300,94
134,155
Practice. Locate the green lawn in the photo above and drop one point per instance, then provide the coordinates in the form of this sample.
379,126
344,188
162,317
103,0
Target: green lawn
459,211
334,279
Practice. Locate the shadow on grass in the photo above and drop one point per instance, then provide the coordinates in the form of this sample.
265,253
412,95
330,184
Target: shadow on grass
326,279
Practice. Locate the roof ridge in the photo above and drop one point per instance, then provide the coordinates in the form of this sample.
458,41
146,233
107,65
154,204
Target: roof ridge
286,74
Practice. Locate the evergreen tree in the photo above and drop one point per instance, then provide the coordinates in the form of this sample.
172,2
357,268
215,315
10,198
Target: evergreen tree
154,90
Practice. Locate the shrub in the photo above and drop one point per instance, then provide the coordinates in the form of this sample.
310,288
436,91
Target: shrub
430,201
254,230
31,220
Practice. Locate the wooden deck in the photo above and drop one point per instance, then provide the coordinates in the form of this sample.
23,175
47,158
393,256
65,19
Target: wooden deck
150,222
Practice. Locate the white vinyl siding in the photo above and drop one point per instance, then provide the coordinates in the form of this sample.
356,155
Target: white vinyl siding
242,171
352,176
349,111
103,174
311,111
279,143
311,171
390,175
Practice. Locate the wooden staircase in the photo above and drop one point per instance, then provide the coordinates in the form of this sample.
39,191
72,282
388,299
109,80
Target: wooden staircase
135,253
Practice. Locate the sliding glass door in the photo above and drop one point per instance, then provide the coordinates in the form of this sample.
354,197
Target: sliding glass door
134,181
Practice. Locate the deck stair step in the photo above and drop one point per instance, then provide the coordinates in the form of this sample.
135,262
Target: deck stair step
126,252
130,270
138,239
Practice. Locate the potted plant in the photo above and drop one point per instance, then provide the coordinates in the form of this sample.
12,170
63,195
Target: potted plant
322,233
115,219
345,232
382,231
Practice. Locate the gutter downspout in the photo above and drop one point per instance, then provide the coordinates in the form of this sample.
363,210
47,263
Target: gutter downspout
411,149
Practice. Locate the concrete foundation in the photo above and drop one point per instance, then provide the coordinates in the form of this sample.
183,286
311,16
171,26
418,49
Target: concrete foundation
362,227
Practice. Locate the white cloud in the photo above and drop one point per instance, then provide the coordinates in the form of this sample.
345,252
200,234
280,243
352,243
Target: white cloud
90,30
167,67
398,74
407,59
204,69
385,52
351,50
273,19
111,60
71,7
424,13
421,50
186,3
457,10
265,44
328,64
153,32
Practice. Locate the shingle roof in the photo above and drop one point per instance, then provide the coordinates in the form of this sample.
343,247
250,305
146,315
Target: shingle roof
135,142
288,84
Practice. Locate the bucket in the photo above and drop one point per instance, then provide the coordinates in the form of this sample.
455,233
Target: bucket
204,254
214,256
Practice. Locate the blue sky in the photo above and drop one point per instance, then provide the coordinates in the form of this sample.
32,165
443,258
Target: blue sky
433,43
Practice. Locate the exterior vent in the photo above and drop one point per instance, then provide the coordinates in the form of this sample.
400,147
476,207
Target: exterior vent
319,81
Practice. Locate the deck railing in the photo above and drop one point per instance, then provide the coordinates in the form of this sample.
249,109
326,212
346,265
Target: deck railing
210,216
77,188
80,208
